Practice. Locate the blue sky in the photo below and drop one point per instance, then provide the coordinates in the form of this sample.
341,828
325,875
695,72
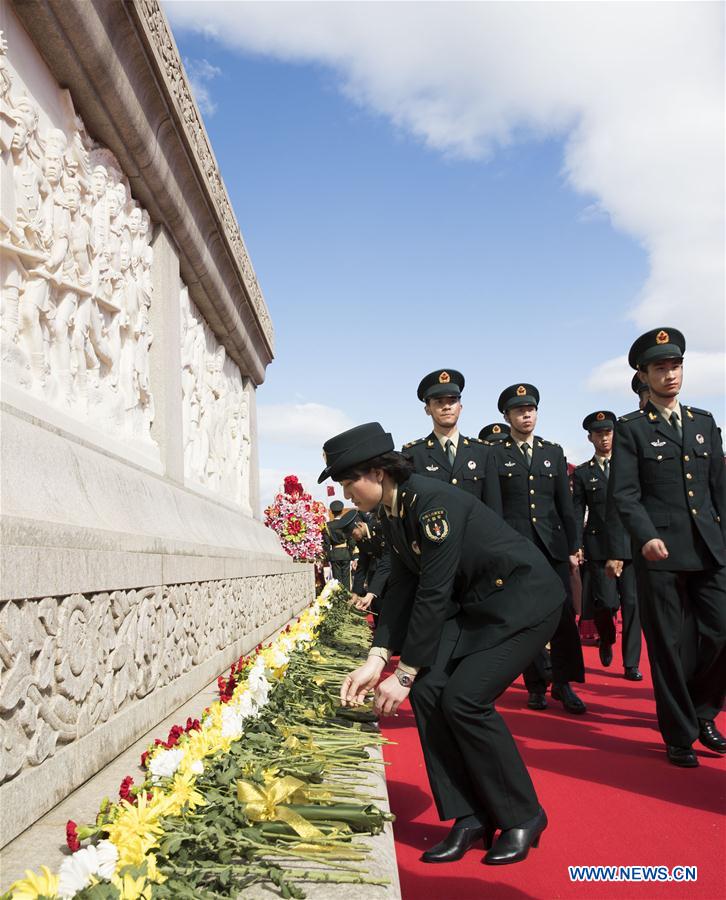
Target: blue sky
390,241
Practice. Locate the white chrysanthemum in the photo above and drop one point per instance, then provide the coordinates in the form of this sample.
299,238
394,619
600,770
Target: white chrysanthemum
76,871
107,858
260,691
245,705
197,767
231,723
165,764
278,658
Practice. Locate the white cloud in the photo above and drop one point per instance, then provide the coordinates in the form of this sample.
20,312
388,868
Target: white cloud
703,375
200,72
636,89
302,424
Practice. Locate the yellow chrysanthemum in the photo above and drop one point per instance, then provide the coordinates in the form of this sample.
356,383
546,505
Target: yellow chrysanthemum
132,888
33,886
182,793
136,827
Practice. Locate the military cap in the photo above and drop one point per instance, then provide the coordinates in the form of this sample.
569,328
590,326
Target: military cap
354,446
441,383
518,395
336,506
497,431
599,421
637,385
660,343
347,522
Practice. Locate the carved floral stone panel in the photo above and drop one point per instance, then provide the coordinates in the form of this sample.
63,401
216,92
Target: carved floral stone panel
215,411
68,664
75,261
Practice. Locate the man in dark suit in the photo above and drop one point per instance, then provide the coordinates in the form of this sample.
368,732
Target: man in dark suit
537,502
609,577
338,548
668,485
446,454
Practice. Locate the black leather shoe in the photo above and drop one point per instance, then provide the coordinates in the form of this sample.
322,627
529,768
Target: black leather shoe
536,700
569,699
681,756
513,844
710,736
457,842
606,653
632,673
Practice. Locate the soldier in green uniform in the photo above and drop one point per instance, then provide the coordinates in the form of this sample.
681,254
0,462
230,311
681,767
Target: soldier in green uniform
667,484
537,502
447,455
609,577
492,434
338,547
641,389
374,563
469,602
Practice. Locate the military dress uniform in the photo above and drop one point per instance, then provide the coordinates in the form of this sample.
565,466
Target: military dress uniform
467,463
602,539
469,602
536,502
667,482
374,564
338,547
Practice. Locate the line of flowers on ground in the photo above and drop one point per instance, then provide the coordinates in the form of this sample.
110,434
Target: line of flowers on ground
120,860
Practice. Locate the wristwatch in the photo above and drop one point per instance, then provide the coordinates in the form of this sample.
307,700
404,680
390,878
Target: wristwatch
404,679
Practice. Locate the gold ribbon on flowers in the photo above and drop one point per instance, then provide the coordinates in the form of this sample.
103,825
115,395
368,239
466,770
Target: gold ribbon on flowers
265,804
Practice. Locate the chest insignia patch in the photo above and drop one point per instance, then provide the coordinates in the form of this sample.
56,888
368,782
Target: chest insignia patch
472,463
509,464
657,443
700,438
547,464
435,525
432,468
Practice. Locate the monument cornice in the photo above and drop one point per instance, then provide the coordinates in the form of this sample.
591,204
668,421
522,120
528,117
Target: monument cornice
121,65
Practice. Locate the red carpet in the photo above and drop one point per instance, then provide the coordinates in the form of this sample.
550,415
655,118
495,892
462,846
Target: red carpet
611,798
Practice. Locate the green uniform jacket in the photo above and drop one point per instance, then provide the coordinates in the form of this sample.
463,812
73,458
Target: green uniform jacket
474,469
670,488
336,546
602,532
536,501
453,556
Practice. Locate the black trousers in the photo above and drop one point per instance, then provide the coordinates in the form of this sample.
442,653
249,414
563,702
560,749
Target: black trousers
684,623
604,596
472,762
565,646
341,570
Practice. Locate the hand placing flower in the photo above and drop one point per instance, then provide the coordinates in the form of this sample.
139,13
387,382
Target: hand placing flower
359,683
390,694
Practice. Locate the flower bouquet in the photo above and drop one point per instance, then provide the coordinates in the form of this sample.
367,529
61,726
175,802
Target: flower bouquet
298,521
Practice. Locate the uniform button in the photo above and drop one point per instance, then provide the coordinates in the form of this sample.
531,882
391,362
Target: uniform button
694,511
476,478
689,476
531,477
510,474
534,518
453,481
687,458
499,582
659,456
532,505
690,493
531,491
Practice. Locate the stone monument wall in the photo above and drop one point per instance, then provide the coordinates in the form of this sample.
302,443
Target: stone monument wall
133,335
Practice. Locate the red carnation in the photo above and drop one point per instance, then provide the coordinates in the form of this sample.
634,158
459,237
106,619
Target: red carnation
72,836
124,792
144,757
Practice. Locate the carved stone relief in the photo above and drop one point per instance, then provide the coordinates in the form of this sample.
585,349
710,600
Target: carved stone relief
71,663
215,412
155,25
75,267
